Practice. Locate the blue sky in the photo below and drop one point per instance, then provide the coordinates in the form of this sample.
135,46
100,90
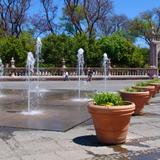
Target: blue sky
130,8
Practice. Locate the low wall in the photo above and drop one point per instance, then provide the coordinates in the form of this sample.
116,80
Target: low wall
19,74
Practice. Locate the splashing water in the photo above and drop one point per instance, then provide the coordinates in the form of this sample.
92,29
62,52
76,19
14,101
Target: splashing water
105,66
80,58
30,70
38,52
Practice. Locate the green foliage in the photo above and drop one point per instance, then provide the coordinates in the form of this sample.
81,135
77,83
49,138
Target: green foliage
130,89
122,52
16,47
157,80
2,33
139,57
93,55
138,27
146,25
57,47
107,99
144,83
78,12
78,16
27,41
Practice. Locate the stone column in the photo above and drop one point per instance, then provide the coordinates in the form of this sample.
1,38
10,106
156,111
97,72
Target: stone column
63,63
63,68
12,62
13,66
154,51
152,55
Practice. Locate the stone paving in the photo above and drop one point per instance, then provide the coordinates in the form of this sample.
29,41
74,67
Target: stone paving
80,143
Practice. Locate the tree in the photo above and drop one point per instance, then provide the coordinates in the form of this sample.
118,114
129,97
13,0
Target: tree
11,46
147,25
44,22
57,47
13,15
114,23
84,15
122,52
74,16
92,53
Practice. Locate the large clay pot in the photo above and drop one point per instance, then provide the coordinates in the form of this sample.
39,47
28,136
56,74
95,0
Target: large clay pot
111,122
151,89
139,98
157,86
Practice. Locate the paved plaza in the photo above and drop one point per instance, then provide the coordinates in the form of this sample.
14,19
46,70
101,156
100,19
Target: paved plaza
79,142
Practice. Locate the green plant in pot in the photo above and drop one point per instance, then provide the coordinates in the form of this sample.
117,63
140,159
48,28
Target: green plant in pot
147,87
139,96
111,117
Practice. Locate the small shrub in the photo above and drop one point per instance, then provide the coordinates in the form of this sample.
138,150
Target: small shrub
155,80
130,89
143,83
107,99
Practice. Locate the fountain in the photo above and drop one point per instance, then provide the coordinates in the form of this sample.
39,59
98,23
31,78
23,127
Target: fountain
30,70
105,65
18,109
38,52
38,90
80,68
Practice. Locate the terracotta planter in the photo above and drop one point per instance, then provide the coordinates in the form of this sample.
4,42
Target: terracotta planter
151,89
139,98
111,123
157,86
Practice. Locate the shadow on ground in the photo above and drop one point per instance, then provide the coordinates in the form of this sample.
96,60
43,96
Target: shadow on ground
89,140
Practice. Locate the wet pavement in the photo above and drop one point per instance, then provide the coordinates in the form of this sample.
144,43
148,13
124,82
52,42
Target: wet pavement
80,142
58,109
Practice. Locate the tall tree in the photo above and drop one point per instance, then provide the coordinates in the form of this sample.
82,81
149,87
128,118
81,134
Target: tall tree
73,16
44,22
147,25
114,23
83,15
13,15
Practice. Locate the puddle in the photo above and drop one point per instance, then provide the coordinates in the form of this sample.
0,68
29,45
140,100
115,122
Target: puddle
6,133
151,154
119,148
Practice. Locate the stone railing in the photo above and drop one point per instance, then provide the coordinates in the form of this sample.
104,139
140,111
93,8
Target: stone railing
115,72
133,72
